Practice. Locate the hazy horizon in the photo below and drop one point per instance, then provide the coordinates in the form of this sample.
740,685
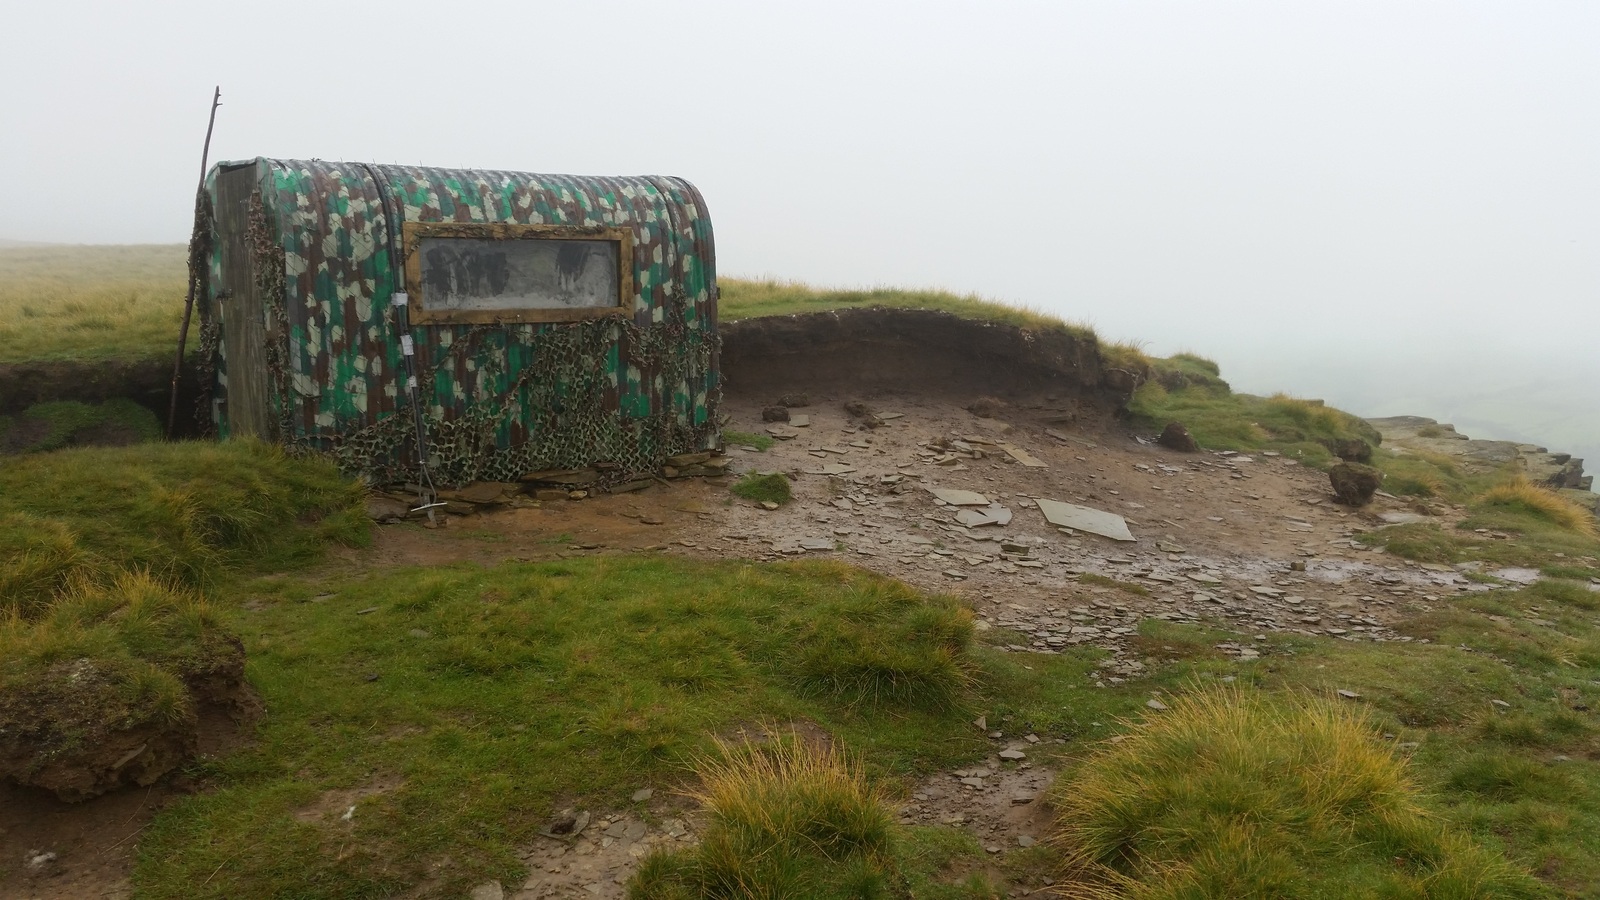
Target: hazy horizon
1388,205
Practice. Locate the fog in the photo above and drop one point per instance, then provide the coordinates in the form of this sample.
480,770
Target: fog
1393,206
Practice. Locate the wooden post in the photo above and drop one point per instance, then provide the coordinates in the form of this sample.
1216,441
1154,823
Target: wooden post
194,281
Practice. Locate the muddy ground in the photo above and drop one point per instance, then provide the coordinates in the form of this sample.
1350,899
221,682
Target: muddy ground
1254,545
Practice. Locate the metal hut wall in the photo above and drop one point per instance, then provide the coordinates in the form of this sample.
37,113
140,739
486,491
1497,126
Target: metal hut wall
557,321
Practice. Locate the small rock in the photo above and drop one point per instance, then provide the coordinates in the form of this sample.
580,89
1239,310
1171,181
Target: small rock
857,408
368,610
775,414
1025,840
1023,798
1501,703
1177,437
1013,754
643,794
489,891
1156,705
793,401
768,505
992,848
1349,695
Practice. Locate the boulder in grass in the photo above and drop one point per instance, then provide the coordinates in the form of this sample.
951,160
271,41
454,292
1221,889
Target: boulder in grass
1177,437
1354,483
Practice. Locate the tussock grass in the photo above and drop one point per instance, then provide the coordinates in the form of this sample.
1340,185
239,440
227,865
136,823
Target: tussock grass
1250,795
91,302
789,818
772,487
184,512
1520,495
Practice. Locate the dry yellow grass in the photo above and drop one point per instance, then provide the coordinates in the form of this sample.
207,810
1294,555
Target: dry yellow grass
1520,493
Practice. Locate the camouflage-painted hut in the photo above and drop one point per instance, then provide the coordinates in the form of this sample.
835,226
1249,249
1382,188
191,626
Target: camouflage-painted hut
556,321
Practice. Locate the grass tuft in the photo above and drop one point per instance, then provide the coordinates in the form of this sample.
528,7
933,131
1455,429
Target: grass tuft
786,818
772,487
1231,794
1519,495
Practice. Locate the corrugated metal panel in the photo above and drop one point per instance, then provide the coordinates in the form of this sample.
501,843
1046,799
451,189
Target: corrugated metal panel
499,399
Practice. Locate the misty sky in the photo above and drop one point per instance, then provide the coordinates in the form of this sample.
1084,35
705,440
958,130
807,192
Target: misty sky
1392,205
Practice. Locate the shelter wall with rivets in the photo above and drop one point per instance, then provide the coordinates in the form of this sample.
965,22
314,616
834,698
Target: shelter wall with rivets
498,400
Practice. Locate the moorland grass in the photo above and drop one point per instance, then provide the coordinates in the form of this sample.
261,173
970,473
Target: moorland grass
184,512
748,299
91,302
1231,794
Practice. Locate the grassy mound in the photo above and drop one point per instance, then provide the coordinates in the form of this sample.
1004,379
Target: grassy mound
63,423
1235,795
183,512
103,688
786,819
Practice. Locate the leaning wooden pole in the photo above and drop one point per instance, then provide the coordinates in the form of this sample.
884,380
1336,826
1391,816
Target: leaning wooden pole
194,281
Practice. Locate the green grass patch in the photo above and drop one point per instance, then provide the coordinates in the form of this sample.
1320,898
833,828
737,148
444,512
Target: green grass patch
184,512
772,487
1187,389
91,302
762,442
1232,794
486,695
62,423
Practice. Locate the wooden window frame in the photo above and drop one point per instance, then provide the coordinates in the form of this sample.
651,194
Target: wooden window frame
413,233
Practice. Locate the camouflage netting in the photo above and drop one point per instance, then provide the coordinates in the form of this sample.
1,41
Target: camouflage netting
498,400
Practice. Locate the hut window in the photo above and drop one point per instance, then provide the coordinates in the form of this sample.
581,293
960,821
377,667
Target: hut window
462,273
